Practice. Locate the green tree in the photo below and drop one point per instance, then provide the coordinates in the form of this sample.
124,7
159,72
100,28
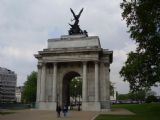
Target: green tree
111,89
151,98
142,68
122,97
76,87
30,88
149,93
138,96
134,73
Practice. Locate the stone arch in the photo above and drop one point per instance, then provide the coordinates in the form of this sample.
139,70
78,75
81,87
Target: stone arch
70,56
66,84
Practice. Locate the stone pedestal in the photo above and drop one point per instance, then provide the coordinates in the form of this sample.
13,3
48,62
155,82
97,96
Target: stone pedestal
105,105
91,106
46,105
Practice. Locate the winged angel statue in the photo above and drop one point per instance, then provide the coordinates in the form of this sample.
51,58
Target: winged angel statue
75,29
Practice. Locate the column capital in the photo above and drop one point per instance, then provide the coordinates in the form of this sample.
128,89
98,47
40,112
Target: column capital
39,65
54,63
84,62
106,63
96,62
43,63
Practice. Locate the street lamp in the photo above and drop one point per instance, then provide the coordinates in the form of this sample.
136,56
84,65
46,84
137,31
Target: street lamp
79,94
75,86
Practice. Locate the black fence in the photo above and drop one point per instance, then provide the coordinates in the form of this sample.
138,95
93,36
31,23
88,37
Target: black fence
16,106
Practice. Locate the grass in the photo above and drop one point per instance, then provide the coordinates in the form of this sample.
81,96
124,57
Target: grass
6,113
142,111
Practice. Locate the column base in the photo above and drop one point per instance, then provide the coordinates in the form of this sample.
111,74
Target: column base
46,105
91,106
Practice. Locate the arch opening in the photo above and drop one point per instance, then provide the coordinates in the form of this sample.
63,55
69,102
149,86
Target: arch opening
72,90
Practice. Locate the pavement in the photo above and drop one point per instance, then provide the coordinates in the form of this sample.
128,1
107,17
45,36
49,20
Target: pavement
32,114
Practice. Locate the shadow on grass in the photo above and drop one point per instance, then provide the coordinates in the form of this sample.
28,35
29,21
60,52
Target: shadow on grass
142,112
115,117
6,112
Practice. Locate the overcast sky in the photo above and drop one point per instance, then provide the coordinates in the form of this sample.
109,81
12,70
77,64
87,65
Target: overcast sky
26,25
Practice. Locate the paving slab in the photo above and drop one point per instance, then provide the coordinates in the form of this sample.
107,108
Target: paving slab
51,115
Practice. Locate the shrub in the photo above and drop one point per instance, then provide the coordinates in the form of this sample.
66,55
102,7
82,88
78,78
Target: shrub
151,98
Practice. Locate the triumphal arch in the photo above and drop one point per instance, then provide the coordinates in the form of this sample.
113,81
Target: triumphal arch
76,54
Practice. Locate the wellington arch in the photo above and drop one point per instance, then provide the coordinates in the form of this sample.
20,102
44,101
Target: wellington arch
70,56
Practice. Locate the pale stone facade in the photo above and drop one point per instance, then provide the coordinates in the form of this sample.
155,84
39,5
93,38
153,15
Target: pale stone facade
8,81
68,57
19,94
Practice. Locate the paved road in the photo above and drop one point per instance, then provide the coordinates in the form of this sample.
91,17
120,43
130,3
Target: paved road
50,115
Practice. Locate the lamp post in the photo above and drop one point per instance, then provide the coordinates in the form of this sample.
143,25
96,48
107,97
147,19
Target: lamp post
78,94
79,103
75,86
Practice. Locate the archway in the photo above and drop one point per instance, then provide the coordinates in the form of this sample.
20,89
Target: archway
72,89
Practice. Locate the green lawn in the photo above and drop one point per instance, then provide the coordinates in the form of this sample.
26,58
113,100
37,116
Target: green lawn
142,111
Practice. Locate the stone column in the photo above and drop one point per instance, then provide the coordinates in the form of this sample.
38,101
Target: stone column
43,81
107,79
54,89
84,87
39,66
96,81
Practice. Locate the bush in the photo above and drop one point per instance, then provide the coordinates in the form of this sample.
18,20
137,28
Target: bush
151,98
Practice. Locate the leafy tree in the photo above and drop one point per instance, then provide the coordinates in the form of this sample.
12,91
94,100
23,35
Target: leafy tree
142,68
30,87
111,89
137,96
76,87
122,97
151,98
149,93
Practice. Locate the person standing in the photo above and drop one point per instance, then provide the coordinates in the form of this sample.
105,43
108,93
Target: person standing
58,109
65,110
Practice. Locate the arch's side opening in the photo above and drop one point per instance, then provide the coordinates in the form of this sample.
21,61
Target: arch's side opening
72,90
